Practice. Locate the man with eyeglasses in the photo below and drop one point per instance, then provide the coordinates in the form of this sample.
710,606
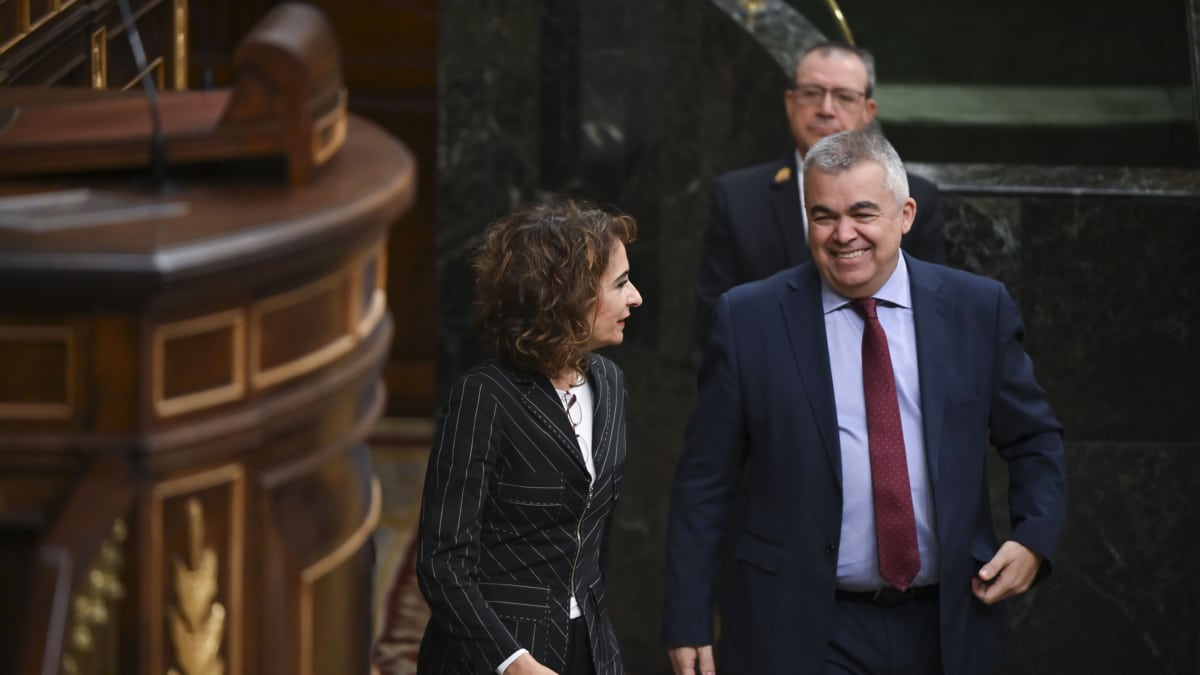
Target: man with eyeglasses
756,226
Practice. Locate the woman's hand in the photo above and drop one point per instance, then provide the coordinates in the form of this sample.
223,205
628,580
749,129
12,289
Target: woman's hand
686,660
527,665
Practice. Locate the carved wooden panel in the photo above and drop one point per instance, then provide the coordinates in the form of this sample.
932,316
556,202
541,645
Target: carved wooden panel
195,600
296,332
389,54
218,367
326,551
198,362
39,378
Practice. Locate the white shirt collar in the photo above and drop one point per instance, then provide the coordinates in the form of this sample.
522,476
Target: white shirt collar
895,291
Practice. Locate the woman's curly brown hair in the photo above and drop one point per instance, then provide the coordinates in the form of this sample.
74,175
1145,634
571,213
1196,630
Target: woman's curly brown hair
537,277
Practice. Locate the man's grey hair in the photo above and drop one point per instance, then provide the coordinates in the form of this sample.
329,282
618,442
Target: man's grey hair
827,48
846,150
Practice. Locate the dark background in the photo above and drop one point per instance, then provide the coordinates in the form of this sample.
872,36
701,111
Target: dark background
640,104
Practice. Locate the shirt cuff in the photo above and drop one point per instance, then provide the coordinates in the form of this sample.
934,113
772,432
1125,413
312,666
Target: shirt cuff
509,661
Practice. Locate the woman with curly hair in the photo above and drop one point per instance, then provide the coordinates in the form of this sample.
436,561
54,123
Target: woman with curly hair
526,464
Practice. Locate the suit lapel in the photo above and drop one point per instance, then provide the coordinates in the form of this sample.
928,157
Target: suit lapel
602,415
805,321
931,320
544,405
785,205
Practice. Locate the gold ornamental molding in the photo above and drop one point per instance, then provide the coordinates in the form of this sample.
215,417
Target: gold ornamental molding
179,25
93,629
171,335
329,131
198,621
24,22
311,574
46,336
335,287
99,58
198,624
369,291
154,69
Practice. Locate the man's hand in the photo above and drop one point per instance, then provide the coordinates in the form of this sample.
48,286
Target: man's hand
684,660
1010,572
527,665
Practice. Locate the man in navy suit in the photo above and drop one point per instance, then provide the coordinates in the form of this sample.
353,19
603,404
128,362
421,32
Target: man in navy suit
783,417
756,225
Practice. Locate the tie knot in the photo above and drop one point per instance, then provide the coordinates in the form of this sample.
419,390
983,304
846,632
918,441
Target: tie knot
865,307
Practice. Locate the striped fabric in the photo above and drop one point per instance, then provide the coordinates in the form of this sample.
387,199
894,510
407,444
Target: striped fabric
510,525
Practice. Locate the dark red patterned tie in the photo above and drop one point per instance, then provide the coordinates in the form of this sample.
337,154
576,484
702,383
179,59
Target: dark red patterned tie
895,527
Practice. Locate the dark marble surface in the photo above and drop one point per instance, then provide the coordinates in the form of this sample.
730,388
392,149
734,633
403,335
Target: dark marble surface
1031,44
1121,599
1108,289
1193,26
777,27
639,105
1060,43
1083,181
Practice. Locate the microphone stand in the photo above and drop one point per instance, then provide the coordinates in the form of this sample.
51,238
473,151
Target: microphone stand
158,140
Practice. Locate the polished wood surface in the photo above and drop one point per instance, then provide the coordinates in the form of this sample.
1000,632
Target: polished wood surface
213,351
388,55
288,100
389,58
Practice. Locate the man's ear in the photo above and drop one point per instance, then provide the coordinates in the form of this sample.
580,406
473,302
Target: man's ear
908,213
869,110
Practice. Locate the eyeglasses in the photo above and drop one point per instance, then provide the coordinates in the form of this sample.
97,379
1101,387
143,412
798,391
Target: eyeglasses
814,95
575,416
574,411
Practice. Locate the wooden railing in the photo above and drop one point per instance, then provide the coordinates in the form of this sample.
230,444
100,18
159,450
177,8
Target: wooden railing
76,587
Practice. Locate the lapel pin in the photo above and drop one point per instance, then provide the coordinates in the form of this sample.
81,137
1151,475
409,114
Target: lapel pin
783,174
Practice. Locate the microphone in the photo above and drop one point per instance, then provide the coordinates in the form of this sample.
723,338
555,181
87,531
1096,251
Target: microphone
158,141
201,24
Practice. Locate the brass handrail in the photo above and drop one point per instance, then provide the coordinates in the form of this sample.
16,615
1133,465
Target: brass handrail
840,18
26,23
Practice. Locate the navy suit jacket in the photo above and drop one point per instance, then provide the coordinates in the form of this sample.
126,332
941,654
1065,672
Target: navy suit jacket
766,416
755,229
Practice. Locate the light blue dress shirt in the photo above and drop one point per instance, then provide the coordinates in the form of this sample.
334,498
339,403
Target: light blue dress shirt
858,563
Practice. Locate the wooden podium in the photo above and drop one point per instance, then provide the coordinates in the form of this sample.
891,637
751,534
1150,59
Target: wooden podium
187,377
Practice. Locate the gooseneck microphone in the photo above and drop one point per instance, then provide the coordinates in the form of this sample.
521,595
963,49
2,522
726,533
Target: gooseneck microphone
158,141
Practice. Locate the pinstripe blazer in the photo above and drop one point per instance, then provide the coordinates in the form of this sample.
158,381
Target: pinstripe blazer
511,522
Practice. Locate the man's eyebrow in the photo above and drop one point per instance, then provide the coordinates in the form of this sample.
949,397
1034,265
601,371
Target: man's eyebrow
865,204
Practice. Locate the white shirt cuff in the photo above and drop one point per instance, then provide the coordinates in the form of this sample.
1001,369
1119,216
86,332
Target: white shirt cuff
509,661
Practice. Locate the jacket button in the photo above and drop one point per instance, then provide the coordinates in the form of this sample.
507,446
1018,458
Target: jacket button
829,550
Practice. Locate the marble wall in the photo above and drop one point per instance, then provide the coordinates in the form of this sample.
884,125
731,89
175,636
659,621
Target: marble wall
1193,26
1102,264
640,104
